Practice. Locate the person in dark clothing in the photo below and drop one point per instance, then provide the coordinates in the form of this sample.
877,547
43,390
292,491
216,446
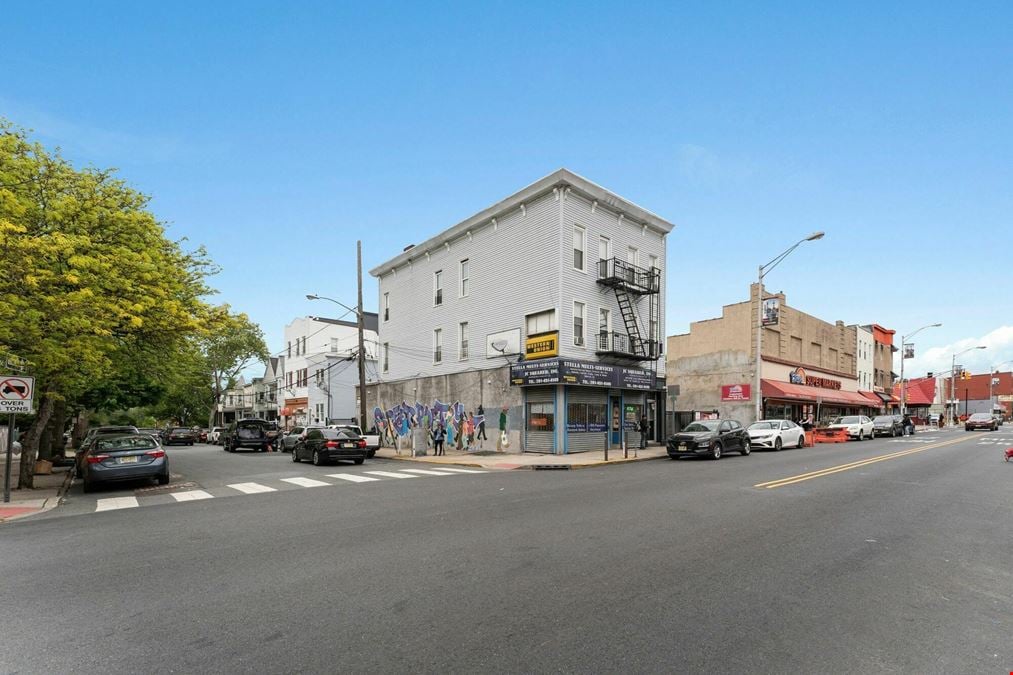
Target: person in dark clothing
909,426
481,425
439,435
644,428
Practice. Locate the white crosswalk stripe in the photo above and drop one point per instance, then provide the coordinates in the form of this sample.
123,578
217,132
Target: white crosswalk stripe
447,468
191,495
252,488
352,477
427,472
391,474
306,482
113,503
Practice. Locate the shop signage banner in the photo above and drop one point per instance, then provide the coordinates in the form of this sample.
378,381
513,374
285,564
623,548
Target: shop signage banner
799,376
771,311
736,392
909,351
581,373
541,346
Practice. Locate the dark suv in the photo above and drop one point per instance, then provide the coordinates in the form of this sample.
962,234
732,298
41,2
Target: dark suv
252,433
888,425
709,438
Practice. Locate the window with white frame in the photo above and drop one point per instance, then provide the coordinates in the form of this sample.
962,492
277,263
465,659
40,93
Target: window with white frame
386,306
334,344
462,341
579,244
542,322
578,323
289,349
465,280
604,253
437,288
386,357
653,261
438,346
604,327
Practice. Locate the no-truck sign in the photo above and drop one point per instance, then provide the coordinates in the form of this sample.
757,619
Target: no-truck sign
16,393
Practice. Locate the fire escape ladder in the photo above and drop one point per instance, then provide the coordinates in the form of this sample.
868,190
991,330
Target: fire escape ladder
630,320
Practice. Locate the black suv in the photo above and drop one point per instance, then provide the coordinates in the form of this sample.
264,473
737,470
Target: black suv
888,425
709,438
251,433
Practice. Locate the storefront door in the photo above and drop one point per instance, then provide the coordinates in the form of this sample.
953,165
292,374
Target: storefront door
616,424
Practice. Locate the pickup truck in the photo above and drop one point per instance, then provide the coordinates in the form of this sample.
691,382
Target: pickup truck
372,440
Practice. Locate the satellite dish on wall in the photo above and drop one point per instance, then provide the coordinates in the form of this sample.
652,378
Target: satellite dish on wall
500,345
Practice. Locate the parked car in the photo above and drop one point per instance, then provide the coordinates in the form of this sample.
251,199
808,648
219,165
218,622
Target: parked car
294,435
1000,420
180,435
981,421
323,446
90,437
888,425
709,438
776,434
215,435
202,435
859,427
123,457
248,433
372,440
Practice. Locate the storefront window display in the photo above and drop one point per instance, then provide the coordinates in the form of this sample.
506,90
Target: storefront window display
541,417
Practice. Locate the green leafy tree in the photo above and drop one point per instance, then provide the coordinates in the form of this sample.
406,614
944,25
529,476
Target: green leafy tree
230,344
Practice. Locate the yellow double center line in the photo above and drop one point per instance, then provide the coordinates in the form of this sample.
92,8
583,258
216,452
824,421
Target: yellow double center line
790,480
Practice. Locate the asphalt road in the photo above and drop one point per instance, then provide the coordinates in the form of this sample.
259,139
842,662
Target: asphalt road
896,563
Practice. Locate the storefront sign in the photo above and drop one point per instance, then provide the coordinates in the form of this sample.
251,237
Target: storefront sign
798,376
736,392
909,351
581,373
541,345
771,311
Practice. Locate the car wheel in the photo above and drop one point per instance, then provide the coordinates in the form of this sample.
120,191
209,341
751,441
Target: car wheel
371,454
164,479
88,486
716,451
316,458
295,456
801,441
777,444
893,433
360,461
746,448
861,435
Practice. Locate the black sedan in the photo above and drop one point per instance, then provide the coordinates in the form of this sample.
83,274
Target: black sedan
709,438
128,457
180,435
888,425
327,445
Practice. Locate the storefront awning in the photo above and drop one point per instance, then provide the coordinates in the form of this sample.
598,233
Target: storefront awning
800,392
875,400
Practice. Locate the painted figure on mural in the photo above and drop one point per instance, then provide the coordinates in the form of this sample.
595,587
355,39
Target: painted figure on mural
501,437
469,428
481,424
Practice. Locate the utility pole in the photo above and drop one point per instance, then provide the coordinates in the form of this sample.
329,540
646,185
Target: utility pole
362,342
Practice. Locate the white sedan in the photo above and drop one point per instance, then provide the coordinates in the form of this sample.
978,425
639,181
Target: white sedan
859,427
776,434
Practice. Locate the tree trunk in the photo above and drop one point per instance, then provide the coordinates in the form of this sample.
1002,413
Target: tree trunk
30,443
57,423
80,428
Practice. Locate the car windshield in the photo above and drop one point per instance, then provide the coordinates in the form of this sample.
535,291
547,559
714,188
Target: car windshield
846,420
981,417
180,430
339,433
125,443
709,425
883,419
755,426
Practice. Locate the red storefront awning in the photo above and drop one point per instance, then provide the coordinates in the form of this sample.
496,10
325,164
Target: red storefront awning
800,392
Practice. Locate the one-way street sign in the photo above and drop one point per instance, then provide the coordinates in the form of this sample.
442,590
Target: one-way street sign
16,394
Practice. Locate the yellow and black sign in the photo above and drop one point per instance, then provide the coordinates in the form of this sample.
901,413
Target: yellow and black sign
541,345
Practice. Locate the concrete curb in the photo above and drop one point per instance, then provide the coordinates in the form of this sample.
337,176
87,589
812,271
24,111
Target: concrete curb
507,466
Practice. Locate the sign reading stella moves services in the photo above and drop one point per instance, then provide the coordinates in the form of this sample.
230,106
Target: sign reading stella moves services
583,373
16,393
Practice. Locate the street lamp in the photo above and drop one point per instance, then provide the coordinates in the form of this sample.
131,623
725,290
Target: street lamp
953,381
903,386
759,315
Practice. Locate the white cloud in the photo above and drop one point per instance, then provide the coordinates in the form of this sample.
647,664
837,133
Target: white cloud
998,350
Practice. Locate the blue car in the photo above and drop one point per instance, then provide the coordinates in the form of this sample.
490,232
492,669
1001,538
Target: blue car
127,457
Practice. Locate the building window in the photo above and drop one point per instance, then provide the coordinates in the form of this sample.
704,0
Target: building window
437,346
289,349
586,417
320,377
653,261
463,341
320,412
334,344
464,278
604,327
542,322
541,417
579,243
578,323
386,306
386,356
288,379
437,288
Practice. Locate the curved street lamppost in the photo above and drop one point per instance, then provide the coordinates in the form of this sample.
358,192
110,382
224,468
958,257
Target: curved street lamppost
953,382
764,269
361,355
903,385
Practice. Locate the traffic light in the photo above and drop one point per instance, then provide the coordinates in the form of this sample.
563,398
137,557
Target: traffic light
965,375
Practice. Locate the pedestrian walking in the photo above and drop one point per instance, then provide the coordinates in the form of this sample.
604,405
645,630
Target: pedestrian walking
481,425
644,428
439,434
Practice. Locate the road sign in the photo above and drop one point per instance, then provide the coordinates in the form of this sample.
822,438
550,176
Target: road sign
16,394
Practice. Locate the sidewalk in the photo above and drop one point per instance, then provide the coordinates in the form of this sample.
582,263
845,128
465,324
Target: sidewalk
528,460
46,495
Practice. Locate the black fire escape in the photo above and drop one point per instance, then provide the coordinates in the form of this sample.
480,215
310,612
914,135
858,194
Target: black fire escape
630,284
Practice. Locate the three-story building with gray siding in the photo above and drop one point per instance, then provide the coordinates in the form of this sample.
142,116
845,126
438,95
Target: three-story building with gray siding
549,304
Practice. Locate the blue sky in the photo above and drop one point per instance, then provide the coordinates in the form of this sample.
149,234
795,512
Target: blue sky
279,135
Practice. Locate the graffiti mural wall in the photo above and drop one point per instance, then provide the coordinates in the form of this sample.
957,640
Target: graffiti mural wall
463,429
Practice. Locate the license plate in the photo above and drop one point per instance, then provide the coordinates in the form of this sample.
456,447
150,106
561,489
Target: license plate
130,459
348,445
683,446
